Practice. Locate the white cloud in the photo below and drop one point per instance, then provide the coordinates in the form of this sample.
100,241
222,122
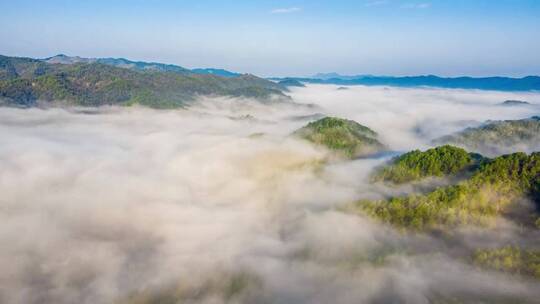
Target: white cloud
286,10
417,5
131,203
376,3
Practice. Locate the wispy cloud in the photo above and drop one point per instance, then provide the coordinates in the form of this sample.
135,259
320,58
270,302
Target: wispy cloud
286,10
417,5
376,3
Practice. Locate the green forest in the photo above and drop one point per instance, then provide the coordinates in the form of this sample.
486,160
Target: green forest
345,137
478,200
437,162
25,82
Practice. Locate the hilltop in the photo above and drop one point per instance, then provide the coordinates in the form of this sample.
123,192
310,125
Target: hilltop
437,162
346,137
291,83
140,65
496,186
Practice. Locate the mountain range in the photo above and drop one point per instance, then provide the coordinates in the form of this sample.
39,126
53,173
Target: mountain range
64,80
528,83
139,65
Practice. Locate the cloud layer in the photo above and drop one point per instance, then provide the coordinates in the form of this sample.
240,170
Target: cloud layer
216,204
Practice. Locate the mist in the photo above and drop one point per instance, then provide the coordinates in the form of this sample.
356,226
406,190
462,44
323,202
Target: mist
216,203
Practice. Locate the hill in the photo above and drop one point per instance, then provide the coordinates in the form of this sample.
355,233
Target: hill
27,82
346,137
415,165
291,83
118,62
495,187
336,76
498,137
139,65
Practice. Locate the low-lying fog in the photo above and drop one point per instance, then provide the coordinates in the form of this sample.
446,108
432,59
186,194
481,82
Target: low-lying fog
217,204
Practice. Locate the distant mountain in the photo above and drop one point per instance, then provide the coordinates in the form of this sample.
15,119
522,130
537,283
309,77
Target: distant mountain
328,76
139,65
291,83
346,137
498,137
29,82
325,76
217,72
495,188
514,103
529,83
118,62
64,59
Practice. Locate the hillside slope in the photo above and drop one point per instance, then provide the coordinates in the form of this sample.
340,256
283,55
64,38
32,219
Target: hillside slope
139,65
498,137
27,82
494,187
436,162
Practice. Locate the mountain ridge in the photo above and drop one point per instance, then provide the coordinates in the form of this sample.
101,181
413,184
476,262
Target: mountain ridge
29,82
139,65
497,83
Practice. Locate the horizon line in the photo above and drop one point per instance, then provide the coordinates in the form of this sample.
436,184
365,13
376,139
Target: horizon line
359,75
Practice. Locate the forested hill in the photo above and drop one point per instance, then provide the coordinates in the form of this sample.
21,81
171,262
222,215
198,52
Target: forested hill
498,137
345,137
27,82
139,65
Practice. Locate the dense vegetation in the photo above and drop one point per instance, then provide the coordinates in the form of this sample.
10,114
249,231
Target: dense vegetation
139,65
346,137
415,165
478,200
25,82
510,259
495,135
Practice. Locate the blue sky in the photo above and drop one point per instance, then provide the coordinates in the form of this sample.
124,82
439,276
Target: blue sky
295,38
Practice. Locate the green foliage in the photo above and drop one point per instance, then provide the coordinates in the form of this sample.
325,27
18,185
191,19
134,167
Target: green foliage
509,259
477,200
24,80
17,89
343,136
415,165
490,137
53,87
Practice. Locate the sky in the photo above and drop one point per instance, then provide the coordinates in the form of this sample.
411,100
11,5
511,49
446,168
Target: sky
286,38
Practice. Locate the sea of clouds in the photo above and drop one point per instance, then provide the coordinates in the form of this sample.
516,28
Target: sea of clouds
218,204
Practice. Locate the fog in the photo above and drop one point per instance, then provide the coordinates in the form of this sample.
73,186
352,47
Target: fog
218,204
